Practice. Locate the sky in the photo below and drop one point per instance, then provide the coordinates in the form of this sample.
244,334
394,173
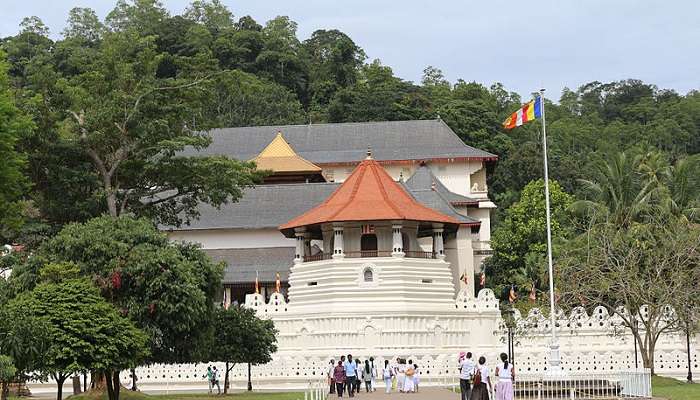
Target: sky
524,45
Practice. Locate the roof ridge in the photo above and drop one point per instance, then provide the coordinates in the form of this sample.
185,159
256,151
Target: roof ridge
383,190
353,193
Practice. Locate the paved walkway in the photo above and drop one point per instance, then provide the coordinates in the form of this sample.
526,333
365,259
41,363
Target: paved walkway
427,393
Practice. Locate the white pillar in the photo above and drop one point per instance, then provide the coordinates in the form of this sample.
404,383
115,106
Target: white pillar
299,252
307,244
438,243
338,242
397,248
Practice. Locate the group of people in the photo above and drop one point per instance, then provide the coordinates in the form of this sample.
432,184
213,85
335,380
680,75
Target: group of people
475,379
348,374
213,379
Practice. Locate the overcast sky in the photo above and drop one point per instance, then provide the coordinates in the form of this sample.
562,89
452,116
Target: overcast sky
524,45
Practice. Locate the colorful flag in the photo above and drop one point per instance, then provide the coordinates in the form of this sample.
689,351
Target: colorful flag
464,279
278,284
533,293
257,283
512,296
529,112
482,280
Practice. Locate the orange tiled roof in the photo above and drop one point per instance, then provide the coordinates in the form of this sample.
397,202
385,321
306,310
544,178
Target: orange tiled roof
368,194
279,156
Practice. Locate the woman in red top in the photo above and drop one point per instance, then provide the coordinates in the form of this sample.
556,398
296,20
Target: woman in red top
339,378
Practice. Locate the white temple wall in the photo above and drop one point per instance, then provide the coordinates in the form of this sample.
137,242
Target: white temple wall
597,342
460,254
233,238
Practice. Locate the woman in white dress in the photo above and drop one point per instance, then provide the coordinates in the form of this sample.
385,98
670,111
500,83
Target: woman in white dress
409,385
400,374
387,374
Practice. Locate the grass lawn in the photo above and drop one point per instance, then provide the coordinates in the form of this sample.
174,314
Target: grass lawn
674,389
129,395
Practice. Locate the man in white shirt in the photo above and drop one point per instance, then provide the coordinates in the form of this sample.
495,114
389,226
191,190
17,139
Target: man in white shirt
350,375
466,372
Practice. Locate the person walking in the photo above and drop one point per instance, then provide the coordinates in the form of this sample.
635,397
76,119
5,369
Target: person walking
339,378
400,374
210,378
482,381
358,378
416,376
409,384
350,375
387,374
466,371
367,375
215,380
331,368
345,381
374,373
506,376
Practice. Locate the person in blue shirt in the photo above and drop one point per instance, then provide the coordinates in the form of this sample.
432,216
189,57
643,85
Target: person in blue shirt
350,375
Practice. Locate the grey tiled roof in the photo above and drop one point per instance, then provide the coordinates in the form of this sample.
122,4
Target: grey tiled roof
421,188
423,179
243,263
347,142
264,206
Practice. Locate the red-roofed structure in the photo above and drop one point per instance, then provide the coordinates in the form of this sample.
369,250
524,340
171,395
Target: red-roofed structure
368,194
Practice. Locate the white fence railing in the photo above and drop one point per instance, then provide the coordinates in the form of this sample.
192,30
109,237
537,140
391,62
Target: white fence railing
317,390
635,384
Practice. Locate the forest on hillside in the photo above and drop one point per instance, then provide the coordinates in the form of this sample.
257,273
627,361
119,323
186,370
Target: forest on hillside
211,67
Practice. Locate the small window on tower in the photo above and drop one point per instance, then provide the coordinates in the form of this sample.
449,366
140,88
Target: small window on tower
368,275
475,229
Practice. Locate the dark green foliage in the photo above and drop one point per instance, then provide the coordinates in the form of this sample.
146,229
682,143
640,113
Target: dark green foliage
167,289
241,337
81,329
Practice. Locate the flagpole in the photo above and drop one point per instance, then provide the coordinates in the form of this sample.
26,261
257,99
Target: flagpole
554,358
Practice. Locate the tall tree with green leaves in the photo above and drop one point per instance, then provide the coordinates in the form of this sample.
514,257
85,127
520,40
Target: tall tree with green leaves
133,126
519,243
13,183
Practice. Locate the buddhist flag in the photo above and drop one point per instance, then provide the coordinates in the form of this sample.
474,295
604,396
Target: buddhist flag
482,281
464,279
529,112
257,283
278,284
512,296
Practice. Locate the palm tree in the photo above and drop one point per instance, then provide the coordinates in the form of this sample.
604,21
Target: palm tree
618,192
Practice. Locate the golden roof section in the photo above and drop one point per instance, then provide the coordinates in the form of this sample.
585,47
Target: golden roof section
279,156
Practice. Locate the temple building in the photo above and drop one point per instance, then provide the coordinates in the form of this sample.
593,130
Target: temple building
430,166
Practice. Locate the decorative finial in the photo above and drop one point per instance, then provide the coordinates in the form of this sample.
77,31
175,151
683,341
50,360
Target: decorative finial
369,153
400,176
433,186
438,117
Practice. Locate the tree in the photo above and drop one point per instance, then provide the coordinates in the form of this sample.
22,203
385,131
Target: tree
643,272
84,331
166,288
7,373
519,243
133,125
13,184
242,337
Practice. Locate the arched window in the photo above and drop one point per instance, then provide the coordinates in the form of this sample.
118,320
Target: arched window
368,275
368,245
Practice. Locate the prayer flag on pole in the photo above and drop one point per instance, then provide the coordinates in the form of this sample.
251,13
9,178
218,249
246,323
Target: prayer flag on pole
257,283
529,112
278,284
